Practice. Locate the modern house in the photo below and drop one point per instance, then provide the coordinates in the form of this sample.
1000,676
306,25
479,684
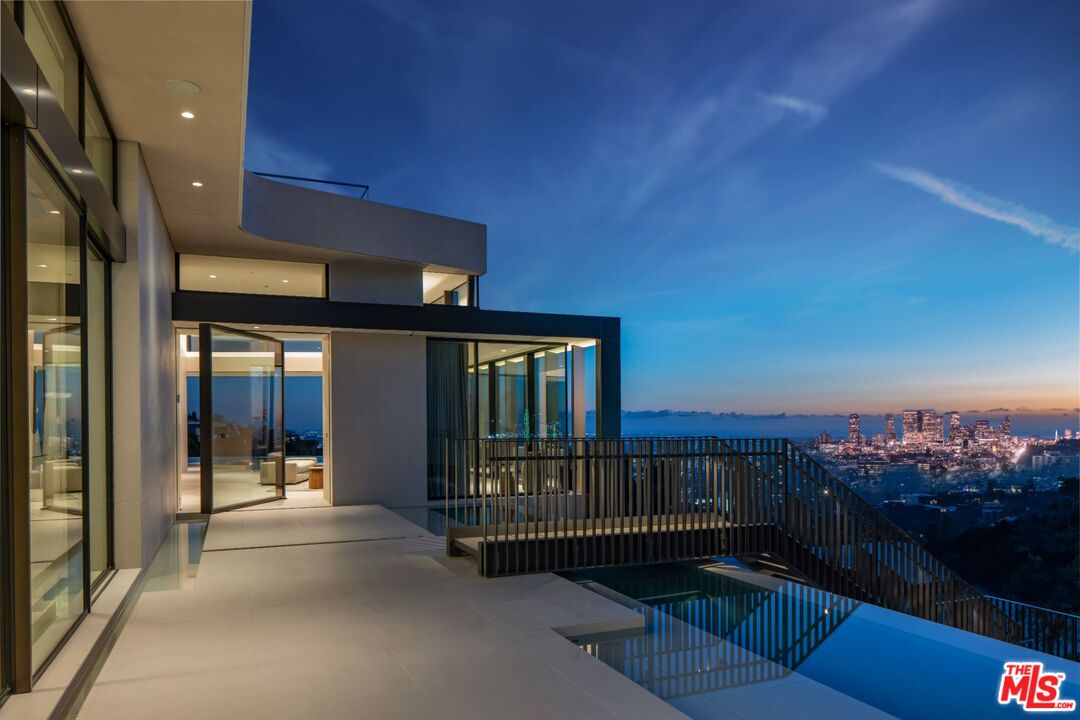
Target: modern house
134,239
185,337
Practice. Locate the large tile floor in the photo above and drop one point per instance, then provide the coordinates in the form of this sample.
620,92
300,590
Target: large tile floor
355,612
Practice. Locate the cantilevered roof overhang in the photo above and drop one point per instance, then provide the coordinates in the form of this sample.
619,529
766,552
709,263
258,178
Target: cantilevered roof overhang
136,48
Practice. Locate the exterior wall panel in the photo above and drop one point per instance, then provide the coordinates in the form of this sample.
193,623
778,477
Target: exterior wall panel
144,372
379,418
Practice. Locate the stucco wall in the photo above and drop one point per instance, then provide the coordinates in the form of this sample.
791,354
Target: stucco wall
378,418
144,372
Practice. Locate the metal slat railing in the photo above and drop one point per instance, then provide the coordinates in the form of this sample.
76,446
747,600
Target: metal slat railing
542,505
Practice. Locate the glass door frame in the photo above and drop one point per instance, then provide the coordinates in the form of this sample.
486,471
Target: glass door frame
206,419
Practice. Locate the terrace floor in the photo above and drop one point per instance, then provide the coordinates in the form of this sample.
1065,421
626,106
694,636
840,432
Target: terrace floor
350,611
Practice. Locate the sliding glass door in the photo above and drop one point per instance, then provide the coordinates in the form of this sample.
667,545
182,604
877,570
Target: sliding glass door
242,418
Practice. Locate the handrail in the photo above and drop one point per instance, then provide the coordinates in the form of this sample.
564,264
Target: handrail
363,195
1043,629
540,505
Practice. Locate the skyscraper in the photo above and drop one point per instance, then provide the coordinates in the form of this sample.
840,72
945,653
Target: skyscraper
1006,427
933,428
954,426
911,427
890,429
854,436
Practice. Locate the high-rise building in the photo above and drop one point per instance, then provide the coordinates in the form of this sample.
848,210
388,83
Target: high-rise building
890,429
933,428
1006,427
982,431
911,427
1068,434
954,426
854,436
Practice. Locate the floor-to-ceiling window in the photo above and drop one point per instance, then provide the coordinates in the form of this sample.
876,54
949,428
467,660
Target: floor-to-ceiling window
511,386
551,392
54,347
493,389
448,407
55,492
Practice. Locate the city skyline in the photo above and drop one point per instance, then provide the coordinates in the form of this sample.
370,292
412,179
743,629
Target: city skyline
837,210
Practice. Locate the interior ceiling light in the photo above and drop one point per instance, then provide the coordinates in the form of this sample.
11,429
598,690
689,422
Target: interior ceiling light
42,265
52,319
77,171
29,91
196,184
54,212
183,87
213,277
187,115
284,281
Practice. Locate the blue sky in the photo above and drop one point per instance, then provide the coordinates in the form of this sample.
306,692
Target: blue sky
797,207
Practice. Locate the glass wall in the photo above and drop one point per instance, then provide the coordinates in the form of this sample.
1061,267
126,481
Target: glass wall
247,418
47,36
448,405
488,389
551,392
54,344
60,442
511,413
98,139
210,273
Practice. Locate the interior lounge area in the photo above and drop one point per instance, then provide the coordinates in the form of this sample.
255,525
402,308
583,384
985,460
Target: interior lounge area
268,408
505,389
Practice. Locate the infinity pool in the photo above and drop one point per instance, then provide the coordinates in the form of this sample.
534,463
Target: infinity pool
723,642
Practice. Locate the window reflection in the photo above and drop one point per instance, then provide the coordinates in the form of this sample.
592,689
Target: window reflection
56,420
512,419
99,141
551,392
48,39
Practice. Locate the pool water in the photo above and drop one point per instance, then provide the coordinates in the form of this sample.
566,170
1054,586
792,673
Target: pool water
722,641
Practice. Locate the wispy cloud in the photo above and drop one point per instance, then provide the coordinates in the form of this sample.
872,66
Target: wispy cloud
812,111
263,153
988,206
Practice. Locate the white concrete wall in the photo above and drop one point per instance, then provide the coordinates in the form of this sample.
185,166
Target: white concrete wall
369,282
280,211
379,418
144,371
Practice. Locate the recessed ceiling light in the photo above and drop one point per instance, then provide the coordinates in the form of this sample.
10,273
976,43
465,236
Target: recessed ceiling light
43,265
196,184
52,319
77,171
183,87
54,212
285,281
29,91
212,277
256,327
187,115
502,350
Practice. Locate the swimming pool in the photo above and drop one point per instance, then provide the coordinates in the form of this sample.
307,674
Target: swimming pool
721,641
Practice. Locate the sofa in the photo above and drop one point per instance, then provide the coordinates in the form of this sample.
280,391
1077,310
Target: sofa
61,476
296,469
